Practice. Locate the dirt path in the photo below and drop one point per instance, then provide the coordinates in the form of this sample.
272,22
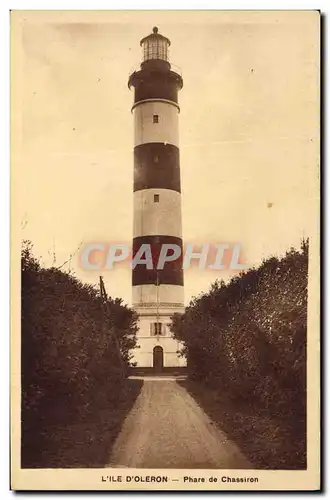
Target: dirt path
166,428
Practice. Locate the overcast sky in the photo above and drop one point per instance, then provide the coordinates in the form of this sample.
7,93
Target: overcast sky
248,131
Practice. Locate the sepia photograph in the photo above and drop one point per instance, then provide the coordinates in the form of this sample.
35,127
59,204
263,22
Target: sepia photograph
165,196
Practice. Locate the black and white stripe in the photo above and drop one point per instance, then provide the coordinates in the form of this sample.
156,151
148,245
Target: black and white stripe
157,186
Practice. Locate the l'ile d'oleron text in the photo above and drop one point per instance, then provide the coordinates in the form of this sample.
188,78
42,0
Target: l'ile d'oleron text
134,479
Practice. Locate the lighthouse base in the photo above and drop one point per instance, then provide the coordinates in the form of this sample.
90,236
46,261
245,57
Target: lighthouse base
157,349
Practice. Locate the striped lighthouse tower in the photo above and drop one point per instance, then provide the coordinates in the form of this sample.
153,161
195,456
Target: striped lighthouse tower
157,293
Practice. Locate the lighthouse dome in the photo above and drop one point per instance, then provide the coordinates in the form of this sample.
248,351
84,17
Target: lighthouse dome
155,46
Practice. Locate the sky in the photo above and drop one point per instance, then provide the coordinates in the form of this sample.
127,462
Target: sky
249,134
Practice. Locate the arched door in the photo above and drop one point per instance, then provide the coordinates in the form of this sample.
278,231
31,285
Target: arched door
158,358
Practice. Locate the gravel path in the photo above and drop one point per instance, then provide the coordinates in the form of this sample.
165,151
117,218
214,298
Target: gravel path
167,429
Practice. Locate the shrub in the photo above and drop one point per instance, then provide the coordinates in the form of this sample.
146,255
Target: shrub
71,364
248,336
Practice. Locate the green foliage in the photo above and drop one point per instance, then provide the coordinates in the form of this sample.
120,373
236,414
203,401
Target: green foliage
248,337
71,366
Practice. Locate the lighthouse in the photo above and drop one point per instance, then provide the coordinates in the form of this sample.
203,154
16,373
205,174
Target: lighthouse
157,293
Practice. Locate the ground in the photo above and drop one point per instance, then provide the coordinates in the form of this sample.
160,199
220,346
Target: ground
266,439
78,442
167,429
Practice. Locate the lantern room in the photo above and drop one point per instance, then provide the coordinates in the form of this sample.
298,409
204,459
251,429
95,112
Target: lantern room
155,46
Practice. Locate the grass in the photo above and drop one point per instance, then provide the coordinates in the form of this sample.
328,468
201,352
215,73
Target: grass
86,443
268,442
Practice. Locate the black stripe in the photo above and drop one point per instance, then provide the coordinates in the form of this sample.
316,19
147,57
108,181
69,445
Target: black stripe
157,165
150,83
171,274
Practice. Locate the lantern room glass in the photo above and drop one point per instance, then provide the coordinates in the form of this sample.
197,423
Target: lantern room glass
155,48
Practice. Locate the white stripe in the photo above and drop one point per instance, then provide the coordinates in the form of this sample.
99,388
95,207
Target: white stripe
148,294
167,128
157,218
155,99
